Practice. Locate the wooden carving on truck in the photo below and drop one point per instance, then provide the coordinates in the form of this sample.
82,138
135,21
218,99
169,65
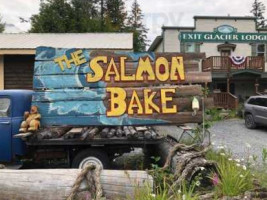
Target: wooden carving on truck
82,88
31,121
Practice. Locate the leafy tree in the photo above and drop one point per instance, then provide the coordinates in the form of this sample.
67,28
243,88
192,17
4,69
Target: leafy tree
258,9
136,25
115,14
56,16
2,25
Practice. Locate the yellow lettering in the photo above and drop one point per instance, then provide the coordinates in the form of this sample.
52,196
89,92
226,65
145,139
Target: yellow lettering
60,61
162,69
165,99
135,103
123,76
148,99
117,102
144,66
177,69
112,71
96,68
78,57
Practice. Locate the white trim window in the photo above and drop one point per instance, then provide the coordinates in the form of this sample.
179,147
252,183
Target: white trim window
190,47
260,49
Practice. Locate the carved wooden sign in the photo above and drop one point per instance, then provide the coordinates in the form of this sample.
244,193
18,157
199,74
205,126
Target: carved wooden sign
82,87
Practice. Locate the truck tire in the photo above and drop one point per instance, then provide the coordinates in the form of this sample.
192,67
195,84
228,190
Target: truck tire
250,122
95,156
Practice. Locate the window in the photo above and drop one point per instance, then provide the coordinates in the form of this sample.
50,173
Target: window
260,50
4,107
190,47
258,102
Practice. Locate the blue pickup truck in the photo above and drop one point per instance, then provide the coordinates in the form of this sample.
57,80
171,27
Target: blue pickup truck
74,152
13,104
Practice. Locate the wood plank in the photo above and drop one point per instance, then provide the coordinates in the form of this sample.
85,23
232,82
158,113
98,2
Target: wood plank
51,68
79,81
49,53
101,94
66,108
125,120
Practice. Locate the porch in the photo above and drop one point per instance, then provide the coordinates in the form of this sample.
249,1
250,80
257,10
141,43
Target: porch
233,83
225,64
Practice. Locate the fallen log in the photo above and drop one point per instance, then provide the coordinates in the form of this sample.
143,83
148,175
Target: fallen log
185,162
56,184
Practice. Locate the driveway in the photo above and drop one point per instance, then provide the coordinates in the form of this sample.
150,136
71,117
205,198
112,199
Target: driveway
235,136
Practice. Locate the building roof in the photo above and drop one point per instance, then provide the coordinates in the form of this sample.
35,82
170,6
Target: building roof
155,43
179,27
225,17
67,40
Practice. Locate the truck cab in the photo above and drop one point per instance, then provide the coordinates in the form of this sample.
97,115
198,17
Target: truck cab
13,104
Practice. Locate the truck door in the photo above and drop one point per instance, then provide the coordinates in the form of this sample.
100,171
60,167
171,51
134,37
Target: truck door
5,130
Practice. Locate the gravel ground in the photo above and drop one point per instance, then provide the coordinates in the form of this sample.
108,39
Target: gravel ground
235,136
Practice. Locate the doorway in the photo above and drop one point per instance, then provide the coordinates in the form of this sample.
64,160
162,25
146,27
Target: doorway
225,53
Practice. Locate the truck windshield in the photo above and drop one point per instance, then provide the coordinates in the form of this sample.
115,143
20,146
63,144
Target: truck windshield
4,107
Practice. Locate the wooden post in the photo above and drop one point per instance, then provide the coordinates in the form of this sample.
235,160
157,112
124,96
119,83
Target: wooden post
257,86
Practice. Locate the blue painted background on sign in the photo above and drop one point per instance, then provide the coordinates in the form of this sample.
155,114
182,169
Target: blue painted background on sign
66,98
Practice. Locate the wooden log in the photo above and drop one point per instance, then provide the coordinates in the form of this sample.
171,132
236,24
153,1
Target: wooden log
56,184
86,133
133,132
86,94
119,132
92,133
127,132
104,132
44,134
147,135
59,131
154,135
62,81
23,135
111,133
74,131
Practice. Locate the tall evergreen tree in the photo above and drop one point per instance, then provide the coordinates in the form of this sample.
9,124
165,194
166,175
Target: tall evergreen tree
136,25
115,14
2,25
258,9
55,16
86,16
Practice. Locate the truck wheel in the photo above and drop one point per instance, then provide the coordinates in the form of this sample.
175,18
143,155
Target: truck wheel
249,121
90,156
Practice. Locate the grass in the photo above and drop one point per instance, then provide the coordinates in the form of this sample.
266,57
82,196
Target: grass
234,178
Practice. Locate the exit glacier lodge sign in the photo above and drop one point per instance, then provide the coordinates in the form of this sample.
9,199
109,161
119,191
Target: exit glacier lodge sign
83,87
223,33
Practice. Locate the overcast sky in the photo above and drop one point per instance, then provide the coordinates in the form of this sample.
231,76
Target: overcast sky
157,12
